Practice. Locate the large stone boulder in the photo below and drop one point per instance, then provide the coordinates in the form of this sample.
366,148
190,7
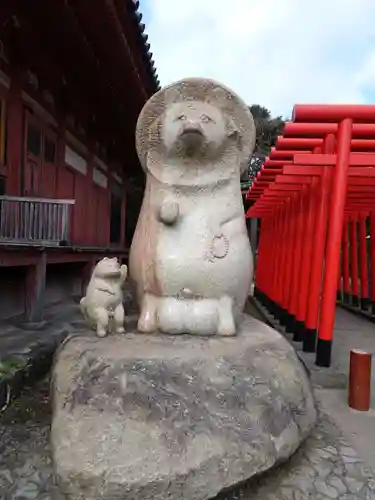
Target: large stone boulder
152,417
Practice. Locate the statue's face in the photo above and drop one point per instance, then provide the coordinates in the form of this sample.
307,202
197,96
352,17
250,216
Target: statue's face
193,129
108,268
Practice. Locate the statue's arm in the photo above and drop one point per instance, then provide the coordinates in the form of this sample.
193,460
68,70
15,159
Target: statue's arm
169,212
124,273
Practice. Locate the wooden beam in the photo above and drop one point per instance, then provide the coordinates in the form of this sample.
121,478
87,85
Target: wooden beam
131,33
356,159
60,39
111,8
96,23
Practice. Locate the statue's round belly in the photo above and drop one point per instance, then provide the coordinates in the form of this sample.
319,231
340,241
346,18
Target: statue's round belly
187,261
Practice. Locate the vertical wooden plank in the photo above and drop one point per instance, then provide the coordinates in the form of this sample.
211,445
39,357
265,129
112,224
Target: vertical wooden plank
35,289
15,134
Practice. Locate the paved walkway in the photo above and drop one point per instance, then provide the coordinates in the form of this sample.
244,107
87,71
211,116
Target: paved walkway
334,463
331,384
351,332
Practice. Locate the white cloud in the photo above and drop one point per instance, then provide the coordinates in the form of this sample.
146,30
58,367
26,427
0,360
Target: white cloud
272,52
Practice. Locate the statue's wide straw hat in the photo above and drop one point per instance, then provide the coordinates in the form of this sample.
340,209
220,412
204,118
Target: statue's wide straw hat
197,89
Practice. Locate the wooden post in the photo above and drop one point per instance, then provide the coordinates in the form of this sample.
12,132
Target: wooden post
35,290
333,244
254,235
345,263
86,275
14,135
321,209
359,380
90,202
123,219
365,300
354,261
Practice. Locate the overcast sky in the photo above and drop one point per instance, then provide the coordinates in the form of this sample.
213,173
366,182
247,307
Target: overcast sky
275,53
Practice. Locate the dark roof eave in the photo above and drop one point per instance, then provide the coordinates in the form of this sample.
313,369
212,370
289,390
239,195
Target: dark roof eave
145,44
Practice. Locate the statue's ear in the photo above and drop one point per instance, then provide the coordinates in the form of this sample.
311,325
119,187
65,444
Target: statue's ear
232,130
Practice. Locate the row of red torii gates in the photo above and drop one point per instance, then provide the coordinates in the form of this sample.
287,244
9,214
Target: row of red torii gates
315,196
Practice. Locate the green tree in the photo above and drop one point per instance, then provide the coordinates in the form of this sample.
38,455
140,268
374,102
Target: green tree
267,131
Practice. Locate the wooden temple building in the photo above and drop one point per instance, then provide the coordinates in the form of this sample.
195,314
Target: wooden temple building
74,75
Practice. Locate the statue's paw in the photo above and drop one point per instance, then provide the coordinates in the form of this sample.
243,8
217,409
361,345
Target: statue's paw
101,332
124,271
227,326
120,330
168,212
145,325
228,330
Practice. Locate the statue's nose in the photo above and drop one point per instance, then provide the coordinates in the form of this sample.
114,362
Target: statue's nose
191,126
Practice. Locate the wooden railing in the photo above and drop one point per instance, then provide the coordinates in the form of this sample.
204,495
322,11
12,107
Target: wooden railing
34,221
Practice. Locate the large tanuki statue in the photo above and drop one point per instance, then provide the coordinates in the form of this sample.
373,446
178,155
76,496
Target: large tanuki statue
191,257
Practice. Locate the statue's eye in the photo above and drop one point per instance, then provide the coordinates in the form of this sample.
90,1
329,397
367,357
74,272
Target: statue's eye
181,118
206,119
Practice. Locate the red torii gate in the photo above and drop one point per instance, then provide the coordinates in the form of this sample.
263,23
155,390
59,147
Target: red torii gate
320,176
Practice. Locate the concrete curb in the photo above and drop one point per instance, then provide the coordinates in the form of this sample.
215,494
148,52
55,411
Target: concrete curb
263,312
270,321
34,365
357,311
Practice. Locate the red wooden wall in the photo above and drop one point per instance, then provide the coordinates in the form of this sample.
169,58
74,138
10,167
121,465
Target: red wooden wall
45,174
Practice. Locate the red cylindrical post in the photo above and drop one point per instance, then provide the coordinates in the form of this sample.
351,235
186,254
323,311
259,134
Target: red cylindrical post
354,261
345,263
339,278
365,300
359,380
283,249
321,204
267,277
271,261
261,275
304,277
260,257
335,224
292,327
372,260
267,255
275,264
289,319
286,273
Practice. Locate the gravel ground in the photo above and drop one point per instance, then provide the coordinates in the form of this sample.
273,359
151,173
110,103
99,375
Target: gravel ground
325,467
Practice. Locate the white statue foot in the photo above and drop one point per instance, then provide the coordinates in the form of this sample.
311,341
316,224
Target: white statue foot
102,322
147,319
101,332
226,326
118,319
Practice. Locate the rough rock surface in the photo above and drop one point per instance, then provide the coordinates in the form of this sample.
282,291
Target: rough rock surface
155,417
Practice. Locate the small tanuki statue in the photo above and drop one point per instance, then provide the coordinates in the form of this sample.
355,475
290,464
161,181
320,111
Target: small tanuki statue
102,306
190,257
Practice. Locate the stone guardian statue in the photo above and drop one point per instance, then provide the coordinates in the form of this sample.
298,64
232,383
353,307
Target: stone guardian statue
190,257
102,306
